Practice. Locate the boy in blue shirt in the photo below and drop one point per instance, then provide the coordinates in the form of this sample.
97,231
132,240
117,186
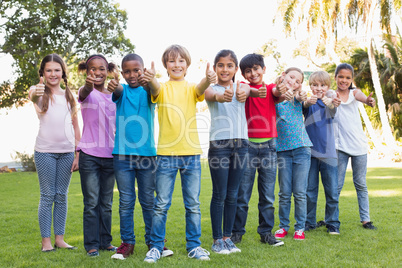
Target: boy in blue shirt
134,153
319,112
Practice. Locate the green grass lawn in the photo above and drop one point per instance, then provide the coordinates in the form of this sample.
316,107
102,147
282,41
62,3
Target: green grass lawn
20,240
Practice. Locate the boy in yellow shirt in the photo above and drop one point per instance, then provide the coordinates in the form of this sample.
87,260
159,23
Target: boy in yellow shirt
178,148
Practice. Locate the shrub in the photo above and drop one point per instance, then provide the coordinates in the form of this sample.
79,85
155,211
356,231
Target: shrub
26,160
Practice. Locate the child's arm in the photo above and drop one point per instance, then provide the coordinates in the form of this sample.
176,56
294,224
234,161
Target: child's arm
360,96
213,96
88,87
242,92
210,78
77,135
301,95
115,87
259,93
310,101
148,80
36,92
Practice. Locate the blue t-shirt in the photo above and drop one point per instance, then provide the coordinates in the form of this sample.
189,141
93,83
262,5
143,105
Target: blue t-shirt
319,126
228,119
134,123
290,126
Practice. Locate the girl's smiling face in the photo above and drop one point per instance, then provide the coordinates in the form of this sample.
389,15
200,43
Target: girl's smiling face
99,68
53,73
225,69
176,68
344,79
293,80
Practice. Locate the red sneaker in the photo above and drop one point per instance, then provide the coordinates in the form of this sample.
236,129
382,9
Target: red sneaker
123,251
281,233
299,235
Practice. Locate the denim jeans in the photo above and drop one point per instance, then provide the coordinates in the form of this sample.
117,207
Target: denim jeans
127,168
328,167
359,169
97,182
293,168
190,173
262,158
227,161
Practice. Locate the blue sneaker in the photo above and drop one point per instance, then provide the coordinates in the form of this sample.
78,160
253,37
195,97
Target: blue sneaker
199,253
220,247
231,246
152,256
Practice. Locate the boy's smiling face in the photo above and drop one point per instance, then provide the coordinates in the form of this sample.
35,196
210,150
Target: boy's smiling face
254,75
319,89
132,70
176,68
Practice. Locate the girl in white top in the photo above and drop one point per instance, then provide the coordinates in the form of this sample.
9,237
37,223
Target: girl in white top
54,149
351,141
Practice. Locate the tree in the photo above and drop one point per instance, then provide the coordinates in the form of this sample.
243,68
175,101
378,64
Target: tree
73,29
326,17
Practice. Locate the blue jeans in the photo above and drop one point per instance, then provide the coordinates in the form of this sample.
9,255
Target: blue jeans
227,161
97,182
190,173
126,169
293,168
328,167
262,158
359,168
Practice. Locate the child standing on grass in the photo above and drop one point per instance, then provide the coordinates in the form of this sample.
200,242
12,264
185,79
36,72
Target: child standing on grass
54,148
261,118
319,111
96,160
178,149
351,141
293,147
227,147
134,153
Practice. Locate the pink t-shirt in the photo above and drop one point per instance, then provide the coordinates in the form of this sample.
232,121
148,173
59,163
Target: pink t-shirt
56,132
99,117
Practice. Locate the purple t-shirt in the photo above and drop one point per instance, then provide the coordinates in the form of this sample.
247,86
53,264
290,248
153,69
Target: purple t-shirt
99,117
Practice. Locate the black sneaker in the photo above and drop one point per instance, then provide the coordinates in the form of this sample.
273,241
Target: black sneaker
236,238
270,239
332,230
369,225
321,223
309,227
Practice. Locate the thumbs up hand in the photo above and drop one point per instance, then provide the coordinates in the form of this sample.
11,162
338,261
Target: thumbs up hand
370,101
210,75
262,91
40,88
89,82
312,100
328,102
303,95
241,95
111,87
337,100
228,94
281,86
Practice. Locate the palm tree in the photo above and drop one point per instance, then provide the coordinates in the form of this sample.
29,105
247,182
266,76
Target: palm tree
337,13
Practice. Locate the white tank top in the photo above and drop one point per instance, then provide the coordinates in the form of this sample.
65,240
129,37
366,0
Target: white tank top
56,132
349,135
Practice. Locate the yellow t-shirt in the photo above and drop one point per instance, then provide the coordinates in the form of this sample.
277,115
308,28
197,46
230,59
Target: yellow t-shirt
178,133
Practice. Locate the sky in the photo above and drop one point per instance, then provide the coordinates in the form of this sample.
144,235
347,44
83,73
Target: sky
203,27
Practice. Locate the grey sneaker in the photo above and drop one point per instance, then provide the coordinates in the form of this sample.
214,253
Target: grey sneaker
152,256
270,239
220,247
236,238
231,246
199,253
332,230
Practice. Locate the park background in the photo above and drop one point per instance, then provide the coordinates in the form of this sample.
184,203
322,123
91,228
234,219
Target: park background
309,34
